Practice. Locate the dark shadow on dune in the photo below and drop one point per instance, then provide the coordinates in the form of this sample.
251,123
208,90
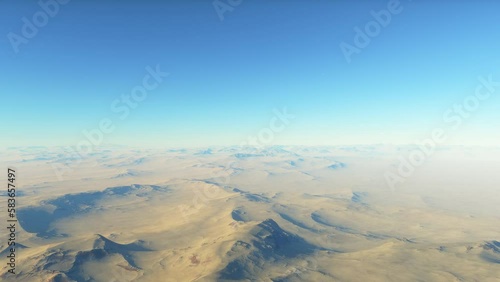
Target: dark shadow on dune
358,197
239,215
106,244
491,252
296,222
324,221
269,244
336,166
102,249
272,241
39,219
6,194
35,220
6,251
252,197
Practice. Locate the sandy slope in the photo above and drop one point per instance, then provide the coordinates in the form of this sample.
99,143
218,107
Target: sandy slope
274,214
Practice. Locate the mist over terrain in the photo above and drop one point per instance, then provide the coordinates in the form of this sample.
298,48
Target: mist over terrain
278,213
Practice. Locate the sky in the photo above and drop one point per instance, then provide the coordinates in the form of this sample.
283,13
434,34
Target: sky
227,76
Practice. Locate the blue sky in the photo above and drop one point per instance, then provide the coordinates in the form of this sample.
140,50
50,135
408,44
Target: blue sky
226,77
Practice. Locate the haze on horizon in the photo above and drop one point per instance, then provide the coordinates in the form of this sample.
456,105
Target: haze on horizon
271,141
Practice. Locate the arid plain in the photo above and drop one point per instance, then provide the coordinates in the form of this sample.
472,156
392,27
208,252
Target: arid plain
279,213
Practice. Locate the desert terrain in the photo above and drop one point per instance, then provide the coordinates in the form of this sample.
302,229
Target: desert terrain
279,213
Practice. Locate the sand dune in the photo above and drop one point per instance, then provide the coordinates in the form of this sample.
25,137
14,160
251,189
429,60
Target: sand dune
195,219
